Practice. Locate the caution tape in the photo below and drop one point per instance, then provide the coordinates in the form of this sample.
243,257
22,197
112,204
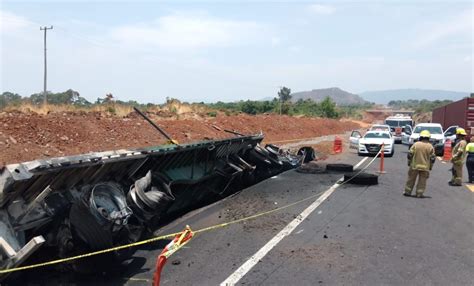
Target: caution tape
161,237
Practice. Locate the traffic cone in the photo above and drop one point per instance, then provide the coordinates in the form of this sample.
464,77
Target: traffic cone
447,150
337,145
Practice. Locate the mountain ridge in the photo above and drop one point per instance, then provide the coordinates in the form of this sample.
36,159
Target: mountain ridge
338,95
385,96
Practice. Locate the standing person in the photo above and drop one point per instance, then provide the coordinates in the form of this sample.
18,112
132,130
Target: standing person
470,160
459,153
420,160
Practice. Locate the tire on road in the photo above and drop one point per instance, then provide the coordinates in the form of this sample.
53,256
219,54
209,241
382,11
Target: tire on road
310,169
366,179
338,167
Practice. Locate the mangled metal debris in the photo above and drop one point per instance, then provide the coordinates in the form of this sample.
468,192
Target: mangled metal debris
76,204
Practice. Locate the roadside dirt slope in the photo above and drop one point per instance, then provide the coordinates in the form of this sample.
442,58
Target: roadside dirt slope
29,136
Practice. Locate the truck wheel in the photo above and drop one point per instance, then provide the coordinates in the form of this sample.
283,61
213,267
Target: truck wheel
89,236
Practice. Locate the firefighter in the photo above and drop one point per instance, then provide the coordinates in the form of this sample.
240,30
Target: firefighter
470,160
421,158
459,153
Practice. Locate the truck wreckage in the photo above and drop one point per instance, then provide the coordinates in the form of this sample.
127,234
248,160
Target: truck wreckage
71,205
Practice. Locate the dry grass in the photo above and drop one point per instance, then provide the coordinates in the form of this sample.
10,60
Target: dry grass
41,109
113,109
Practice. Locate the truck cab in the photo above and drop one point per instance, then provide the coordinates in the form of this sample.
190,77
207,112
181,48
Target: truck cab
397,125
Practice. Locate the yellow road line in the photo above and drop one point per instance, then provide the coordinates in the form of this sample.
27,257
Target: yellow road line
470,187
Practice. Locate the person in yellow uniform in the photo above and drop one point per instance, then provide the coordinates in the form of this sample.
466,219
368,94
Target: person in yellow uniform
470,160
459,153
421,158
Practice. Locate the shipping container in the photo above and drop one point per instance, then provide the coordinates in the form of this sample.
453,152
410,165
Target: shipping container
459,113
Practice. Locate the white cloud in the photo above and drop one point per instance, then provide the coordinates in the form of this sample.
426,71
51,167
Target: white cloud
275,41
185,31
10,22
295,49
321,9
460,25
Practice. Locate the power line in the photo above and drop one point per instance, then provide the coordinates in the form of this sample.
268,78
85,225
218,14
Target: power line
45,29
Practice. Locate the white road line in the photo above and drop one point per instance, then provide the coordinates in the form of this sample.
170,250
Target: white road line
254,259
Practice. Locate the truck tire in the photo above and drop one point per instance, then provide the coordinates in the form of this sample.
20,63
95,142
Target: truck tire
91,237
340,167
365,179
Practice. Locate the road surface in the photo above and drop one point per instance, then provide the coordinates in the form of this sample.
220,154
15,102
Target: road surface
359,235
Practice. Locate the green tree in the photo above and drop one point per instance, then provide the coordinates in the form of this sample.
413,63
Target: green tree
9,98
328,108
67,97
284,96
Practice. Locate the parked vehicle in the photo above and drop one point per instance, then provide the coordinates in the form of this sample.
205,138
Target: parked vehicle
380,127
372,141
456,114
437,136
397,125
354,139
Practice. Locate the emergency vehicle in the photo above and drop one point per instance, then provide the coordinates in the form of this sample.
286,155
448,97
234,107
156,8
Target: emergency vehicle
397,125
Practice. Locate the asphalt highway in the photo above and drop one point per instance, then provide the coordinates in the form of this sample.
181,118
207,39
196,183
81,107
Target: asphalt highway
359,235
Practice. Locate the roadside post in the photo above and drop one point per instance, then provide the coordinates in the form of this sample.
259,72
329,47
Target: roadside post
382,156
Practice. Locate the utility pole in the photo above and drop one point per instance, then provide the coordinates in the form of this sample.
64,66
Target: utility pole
279,97
45,63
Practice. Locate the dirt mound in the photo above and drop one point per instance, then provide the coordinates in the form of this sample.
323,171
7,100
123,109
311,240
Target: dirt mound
29,136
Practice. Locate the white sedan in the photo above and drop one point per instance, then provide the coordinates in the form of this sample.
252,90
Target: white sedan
372,142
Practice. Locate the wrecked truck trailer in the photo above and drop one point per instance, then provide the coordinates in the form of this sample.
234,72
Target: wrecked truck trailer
76,204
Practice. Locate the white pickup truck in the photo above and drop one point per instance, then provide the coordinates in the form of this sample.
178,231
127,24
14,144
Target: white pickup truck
438,137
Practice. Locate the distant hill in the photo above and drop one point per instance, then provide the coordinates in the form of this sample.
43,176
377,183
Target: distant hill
384,96
339,96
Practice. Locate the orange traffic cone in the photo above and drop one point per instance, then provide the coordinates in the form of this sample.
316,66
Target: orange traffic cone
447,150
337,145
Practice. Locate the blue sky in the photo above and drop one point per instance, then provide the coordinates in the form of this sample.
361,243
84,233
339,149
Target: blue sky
231,50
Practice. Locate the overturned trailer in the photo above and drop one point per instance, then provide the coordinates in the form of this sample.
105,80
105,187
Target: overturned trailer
95,201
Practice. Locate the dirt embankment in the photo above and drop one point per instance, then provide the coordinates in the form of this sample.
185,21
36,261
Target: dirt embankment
29,136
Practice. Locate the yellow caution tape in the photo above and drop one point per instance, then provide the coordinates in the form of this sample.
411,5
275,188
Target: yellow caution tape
171,235
146,241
